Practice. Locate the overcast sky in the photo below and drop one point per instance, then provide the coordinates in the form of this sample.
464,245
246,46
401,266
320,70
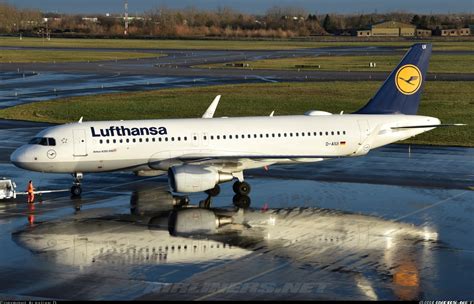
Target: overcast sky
251,6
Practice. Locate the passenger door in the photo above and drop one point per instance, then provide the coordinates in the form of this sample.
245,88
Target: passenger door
364,130
79,141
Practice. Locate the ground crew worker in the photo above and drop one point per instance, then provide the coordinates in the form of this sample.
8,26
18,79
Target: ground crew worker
31,192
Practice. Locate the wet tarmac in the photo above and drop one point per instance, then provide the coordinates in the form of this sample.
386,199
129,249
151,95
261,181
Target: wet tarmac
29,82
387,226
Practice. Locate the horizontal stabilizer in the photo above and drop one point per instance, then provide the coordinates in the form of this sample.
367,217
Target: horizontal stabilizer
429,126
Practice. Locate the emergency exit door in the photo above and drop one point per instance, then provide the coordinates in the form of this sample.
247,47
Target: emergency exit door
80,144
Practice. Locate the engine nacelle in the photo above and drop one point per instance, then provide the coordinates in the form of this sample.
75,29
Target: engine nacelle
193,178
149,172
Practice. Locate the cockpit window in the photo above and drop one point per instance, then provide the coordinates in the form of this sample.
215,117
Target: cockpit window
44,141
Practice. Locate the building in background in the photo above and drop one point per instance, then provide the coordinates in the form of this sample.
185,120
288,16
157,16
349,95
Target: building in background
364,33
456,32
423,33
393,29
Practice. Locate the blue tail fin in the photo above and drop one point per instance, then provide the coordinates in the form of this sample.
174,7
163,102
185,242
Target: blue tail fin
401,92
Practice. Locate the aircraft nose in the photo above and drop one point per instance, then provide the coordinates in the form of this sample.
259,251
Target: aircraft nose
18,157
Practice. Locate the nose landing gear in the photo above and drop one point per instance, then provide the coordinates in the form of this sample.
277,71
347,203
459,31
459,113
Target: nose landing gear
76,189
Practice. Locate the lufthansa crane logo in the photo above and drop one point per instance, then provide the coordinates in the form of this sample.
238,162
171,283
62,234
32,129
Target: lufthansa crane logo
408,79
51,154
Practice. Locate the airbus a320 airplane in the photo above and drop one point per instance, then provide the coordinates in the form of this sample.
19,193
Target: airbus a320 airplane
198,154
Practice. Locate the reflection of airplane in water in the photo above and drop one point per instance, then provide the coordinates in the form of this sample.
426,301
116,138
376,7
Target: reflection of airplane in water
324,239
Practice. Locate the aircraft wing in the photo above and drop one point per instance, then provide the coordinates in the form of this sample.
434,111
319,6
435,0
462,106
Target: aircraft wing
212,108
229,164
243,162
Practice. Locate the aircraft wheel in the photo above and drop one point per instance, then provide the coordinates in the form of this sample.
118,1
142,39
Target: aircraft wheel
214,191
241,188
76,191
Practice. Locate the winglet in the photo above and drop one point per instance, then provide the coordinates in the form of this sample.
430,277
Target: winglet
271,114
212,108
80,119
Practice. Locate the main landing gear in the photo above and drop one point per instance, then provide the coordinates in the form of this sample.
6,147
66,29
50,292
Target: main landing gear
241,188
214,191
240,199
210,194
76,189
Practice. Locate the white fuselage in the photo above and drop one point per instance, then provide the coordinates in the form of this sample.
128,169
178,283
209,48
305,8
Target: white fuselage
232,144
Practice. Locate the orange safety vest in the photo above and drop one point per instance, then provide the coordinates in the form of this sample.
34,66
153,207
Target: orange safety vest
30,188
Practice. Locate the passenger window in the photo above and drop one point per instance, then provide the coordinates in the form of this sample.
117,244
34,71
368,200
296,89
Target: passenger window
212,136
153,139
255,136
332,132
185,138
108,141
261,135
338,133
115,141
344,132
195,137
121,140
223,136
296,134
230,136
140,140
302,133
179,138
147,139
279,134
249,136
172,138
266,135
128,140
284,134
291,134
218,137
315,133
134,140
166,138
100,141
327,133
320,133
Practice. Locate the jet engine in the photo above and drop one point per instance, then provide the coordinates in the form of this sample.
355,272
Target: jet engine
194,178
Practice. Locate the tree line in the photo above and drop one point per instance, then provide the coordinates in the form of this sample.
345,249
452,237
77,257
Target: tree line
277,22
